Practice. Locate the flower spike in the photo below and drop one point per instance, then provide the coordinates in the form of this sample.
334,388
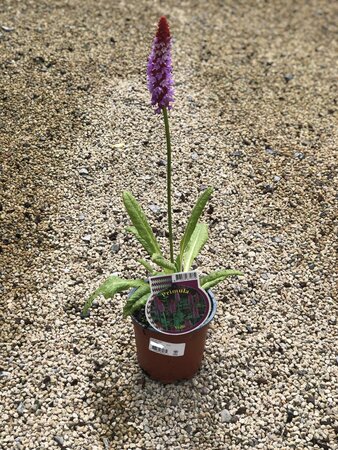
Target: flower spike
159,69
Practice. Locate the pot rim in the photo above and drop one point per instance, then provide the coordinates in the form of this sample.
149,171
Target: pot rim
206,323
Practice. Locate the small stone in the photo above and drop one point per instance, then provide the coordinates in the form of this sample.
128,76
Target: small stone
289,416
288,77
188,429
311,399
20,409
249,328
265,276
237,154
7,29
299,155
4,374
59,440
226,417
205,390
83,171
182,416
87,237
115,248
268,189
58,323
155,208
241,410
270,150
276,179
240,290
194,155
106,443
277,239
261,380
81,217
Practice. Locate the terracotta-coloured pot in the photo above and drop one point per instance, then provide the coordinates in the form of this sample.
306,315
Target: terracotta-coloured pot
162,364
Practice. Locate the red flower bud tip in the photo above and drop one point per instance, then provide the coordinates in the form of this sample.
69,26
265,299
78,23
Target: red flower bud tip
163,32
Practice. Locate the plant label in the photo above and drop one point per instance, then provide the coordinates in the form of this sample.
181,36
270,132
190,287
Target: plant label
166,348
177,304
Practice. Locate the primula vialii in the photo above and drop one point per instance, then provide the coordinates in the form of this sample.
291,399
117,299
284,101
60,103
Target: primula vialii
160,85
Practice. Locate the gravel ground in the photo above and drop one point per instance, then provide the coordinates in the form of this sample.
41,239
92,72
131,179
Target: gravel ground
255,117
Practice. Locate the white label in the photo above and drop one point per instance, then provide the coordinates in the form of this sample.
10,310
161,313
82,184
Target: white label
166,348
184,276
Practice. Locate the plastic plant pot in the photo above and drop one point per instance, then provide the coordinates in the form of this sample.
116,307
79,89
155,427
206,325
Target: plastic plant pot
170,358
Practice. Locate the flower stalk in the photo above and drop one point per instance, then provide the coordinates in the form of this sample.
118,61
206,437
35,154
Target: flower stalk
169,172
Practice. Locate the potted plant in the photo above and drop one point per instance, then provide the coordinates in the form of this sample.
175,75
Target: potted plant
172,308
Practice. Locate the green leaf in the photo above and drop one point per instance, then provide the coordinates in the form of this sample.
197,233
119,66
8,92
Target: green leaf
142,230
129,309
109,288
147,266
162,262
194,217
214,278
195,245
138,293
148,247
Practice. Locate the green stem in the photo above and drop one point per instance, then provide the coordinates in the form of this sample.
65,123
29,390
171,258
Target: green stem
170,221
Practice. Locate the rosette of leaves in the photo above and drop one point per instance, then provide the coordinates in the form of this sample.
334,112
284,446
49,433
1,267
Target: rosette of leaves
192,242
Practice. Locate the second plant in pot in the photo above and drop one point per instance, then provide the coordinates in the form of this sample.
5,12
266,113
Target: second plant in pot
172,308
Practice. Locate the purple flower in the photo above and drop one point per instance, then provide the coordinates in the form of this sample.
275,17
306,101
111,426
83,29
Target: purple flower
159,68
172,306
173,303
193,302
159,305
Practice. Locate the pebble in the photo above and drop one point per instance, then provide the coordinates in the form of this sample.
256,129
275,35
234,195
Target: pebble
226,417
288,77
106,443
7,29
299,155
268,189
59,440
155,208
270,151
115,248
4,374
83,171
20,409
87,237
